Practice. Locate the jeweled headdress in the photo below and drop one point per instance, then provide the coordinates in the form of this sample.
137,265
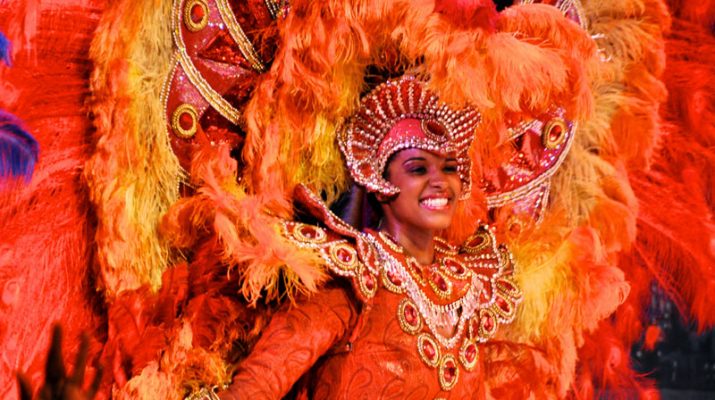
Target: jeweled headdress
401,114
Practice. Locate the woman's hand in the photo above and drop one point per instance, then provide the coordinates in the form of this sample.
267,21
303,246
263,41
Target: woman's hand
58,385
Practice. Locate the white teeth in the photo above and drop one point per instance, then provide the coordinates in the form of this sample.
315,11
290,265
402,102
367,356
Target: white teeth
435,203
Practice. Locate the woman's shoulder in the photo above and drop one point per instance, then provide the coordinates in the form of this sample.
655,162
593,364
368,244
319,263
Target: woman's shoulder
346,252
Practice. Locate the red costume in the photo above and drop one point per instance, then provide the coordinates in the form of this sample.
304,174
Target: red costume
405,330
402,331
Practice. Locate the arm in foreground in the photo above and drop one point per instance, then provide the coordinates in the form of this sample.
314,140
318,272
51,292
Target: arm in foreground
290,345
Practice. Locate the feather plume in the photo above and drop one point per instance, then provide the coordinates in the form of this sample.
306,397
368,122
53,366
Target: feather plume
45,236
5,50
133,174
468,13
18,149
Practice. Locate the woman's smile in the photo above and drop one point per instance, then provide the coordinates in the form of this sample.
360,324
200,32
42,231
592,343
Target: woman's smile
429,185
435,203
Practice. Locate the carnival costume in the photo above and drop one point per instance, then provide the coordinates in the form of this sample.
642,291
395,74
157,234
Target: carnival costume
163,218
391,342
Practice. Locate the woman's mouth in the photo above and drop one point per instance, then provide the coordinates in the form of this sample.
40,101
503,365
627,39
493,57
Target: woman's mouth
435,203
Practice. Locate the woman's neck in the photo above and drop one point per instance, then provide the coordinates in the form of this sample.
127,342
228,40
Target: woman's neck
417,243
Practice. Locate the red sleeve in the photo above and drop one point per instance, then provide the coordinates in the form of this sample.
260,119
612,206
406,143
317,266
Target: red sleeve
291,343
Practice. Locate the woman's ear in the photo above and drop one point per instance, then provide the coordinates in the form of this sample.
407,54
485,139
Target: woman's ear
383,198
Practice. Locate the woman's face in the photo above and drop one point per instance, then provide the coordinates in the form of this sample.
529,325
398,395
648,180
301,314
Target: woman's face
429,189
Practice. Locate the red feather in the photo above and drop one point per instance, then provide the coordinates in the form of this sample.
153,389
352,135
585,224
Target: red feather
469,13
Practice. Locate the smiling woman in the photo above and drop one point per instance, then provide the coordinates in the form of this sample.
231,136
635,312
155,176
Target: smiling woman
407,311
429,188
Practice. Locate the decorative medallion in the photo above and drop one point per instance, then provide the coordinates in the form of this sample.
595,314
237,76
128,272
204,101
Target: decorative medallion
487,325
434,130
392,282
409,317
477,242
554,133
428,349
367,281
196,15
448,372
415,270
309,233
441,285
344,256
504,308
453,268
468,355
508,287
185,121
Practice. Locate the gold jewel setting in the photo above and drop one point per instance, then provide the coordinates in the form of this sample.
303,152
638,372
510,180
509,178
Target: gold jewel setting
183,114
196,15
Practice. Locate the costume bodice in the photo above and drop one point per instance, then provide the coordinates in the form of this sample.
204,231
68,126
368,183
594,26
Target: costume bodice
413,332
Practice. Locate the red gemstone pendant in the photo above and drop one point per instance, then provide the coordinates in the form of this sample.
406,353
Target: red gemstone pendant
448,372
428,350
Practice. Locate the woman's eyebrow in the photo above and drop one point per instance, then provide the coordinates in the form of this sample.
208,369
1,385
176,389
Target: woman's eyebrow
414,159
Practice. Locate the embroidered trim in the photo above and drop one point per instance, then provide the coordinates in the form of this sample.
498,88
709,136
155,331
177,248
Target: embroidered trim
409,317
239,36
217,101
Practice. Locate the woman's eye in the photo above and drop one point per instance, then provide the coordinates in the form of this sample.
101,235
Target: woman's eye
450,169
419,170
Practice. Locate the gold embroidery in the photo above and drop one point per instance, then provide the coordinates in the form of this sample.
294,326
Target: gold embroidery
308,233
428,349
176,123
409,317
239,36
344,256
202,13
448,372
469,354
197,80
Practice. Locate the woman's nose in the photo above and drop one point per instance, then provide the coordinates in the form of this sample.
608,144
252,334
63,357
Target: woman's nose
438,179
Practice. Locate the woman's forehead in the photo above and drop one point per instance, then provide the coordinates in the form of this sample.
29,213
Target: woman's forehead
415,152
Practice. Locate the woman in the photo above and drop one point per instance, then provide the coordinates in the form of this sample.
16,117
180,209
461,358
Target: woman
407,321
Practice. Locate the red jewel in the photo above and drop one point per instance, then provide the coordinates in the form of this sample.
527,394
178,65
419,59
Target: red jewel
455,267
365,169
429,350
503,304
394,279
555,133
186,121
309,232
470,352
441,283
487,322
197,13
507,285
368,280
414,267
450,371
476,241
410,315
344,255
